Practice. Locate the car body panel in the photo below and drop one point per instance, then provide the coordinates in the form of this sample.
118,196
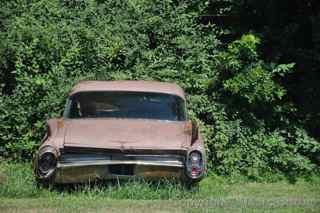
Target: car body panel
132,86
125,134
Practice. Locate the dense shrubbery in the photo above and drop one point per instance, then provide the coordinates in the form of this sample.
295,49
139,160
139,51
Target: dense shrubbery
48,46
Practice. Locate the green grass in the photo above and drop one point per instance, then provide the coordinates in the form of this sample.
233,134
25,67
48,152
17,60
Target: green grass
19,193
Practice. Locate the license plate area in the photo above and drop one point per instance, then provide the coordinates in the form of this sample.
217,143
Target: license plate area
121,169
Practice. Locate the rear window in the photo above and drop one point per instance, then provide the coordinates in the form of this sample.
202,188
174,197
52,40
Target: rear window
134,105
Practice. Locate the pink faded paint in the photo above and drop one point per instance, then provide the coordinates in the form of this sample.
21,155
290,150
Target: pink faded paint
126,134
132,86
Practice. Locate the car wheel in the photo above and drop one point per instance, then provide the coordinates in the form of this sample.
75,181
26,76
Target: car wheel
192,186
44,183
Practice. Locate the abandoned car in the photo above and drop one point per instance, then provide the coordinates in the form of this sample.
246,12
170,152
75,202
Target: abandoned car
122,129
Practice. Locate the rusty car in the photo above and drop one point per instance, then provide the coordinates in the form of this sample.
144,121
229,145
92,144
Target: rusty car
122,129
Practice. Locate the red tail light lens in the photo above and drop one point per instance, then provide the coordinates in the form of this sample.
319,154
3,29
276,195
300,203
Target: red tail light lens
195,164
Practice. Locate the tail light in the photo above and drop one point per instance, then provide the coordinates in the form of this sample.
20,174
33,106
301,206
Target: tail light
195,164
46,162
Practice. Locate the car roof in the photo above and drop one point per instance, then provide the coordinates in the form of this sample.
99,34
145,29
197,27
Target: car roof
128,86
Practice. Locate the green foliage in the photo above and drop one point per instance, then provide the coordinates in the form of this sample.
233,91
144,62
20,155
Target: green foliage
48,46
245,75
254,130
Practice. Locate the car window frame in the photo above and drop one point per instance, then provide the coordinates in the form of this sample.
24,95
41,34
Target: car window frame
68,104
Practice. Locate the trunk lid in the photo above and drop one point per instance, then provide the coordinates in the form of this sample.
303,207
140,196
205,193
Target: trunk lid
126,134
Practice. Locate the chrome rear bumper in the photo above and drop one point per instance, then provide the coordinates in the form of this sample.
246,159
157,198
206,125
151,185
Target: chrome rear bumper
77,168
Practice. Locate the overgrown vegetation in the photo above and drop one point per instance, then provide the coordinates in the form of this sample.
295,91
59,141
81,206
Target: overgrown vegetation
19,183
251,126
19,193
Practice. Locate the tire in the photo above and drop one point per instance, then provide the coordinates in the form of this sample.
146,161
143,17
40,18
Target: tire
44,183
191,185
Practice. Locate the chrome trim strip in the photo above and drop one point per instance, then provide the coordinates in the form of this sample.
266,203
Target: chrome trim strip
172,163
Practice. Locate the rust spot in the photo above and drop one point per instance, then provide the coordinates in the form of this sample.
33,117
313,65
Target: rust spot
60,123
188,128
156,172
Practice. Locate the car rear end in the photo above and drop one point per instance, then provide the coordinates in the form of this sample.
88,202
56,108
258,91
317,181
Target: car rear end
126,129
80,166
